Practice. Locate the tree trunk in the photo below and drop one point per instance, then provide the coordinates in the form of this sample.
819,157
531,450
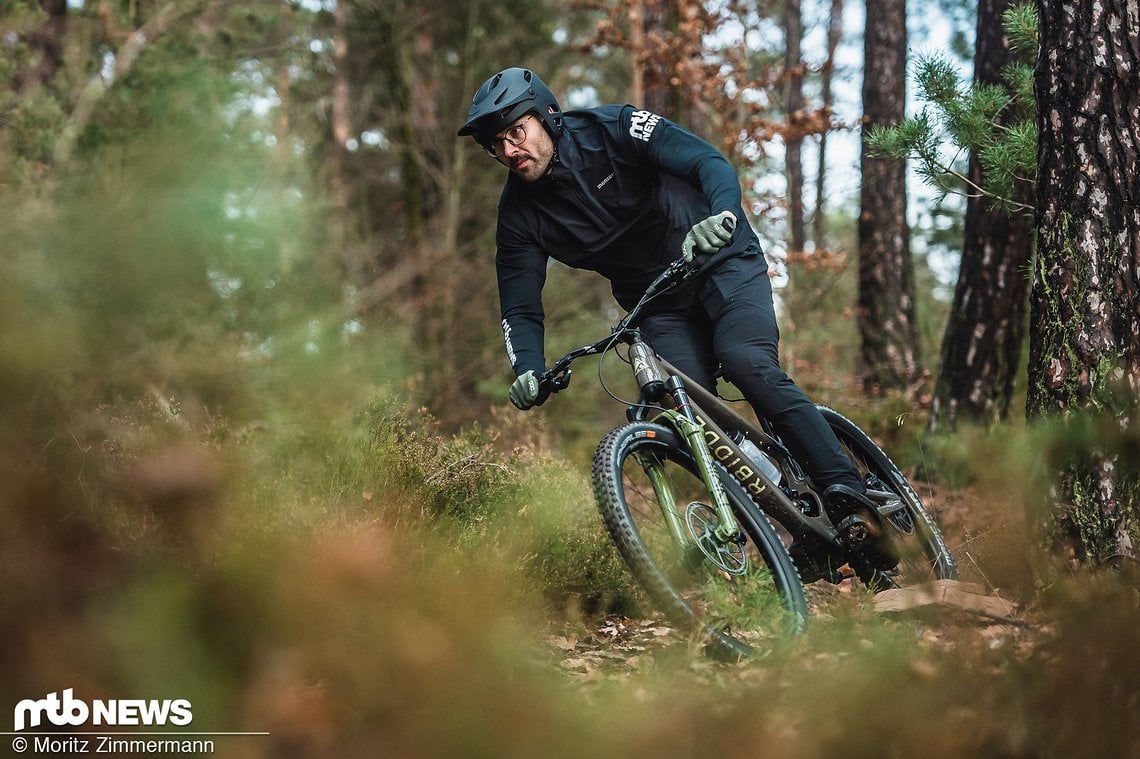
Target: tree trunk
692,25
981,348
819,215
1085,298
650,29
793,142
886,314
399,71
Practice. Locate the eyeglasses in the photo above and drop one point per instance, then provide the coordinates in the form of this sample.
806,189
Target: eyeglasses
515,135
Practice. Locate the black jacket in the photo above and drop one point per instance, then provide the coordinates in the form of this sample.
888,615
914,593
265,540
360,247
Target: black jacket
625,187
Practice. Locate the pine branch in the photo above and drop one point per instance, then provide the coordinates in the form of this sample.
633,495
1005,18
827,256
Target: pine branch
993,123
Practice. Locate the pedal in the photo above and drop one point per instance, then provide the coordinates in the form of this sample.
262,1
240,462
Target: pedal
863,529
887,503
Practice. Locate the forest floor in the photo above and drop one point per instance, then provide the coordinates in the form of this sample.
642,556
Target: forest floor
952,615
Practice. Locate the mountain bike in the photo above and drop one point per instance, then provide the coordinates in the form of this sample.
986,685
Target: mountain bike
718,522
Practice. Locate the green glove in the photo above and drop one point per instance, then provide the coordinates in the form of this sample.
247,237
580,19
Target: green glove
524,390
709,236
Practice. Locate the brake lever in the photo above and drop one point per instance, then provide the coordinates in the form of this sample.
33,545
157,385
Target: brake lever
552,382
678,272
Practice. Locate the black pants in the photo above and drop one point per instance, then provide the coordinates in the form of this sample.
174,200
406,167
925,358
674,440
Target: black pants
729,321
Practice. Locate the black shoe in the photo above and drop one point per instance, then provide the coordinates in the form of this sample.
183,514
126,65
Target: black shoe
842,501
860,526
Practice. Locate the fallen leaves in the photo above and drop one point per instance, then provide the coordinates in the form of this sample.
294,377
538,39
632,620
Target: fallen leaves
946,617
615,648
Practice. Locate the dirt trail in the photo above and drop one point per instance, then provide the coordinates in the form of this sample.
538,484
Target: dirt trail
970,612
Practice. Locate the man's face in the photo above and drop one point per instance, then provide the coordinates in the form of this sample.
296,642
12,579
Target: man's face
525,147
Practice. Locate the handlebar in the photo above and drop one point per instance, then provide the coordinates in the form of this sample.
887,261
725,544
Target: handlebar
557,377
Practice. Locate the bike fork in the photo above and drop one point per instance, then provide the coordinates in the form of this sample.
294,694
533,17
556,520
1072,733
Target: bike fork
666,499
724,548
686,422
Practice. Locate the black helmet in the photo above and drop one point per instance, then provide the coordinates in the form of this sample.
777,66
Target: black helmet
505,97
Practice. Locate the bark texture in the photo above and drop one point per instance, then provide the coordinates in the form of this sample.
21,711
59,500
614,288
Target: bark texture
886,314
982,345
793,141
1085,301
834,34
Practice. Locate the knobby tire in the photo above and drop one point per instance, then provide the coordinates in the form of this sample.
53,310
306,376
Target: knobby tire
736,614
925,555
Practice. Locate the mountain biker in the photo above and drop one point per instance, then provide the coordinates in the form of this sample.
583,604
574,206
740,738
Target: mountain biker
623,192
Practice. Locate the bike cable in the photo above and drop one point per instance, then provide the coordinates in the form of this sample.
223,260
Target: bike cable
653,292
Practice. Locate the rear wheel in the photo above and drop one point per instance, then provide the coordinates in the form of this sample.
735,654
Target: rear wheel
739,594
924,555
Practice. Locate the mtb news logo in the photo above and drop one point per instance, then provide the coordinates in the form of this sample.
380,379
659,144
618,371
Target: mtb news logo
68,711
642,124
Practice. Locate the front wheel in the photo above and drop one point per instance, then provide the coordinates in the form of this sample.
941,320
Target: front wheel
662,519
924,555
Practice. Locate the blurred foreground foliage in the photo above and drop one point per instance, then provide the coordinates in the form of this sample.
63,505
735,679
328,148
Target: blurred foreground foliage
214,488
216,484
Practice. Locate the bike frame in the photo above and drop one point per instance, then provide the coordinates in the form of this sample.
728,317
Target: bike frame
699,417
705,429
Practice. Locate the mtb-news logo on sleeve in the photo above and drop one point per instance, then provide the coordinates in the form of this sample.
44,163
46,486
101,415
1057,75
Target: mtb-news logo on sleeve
68,711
